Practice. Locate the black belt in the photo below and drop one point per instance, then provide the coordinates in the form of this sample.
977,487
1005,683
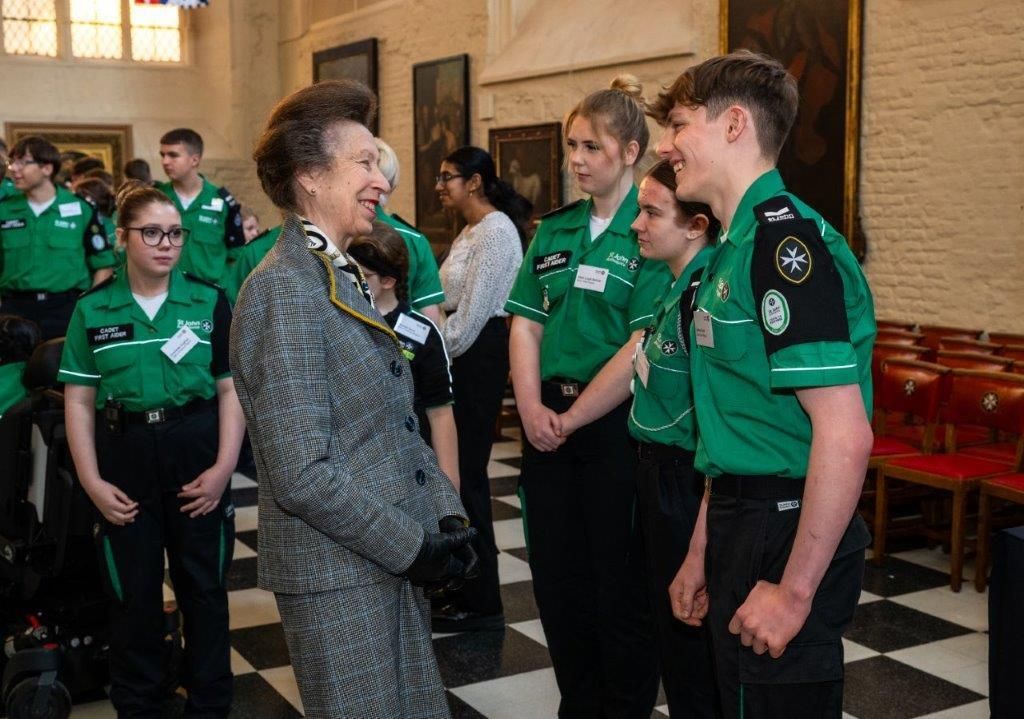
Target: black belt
565,386
662,452
39,295
743,486
166,414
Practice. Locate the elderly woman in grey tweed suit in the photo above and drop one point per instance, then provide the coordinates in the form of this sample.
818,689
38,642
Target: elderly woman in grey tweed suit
354,513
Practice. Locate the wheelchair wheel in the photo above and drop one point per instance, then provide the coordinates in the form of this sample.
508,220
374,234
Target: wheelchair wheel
21,701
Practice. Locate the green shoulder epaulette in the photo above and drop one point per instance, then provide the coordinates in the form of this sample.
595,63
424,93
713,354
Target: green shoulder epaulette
200,280
560,210
100,286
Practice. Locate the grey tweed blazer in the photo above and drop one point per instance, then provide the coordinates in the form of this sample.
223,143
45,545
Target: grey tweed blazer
346,485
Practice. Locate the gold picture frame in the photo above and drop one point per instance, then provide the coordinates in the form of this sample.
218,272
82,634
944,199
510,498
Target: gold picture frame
530,159
110,143
819,41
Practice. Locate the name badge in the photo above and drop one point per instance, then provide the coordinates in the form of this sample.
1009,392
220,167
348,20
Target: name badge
592,278
14,224
70,209
702,329
413,329
179,345
641,365
217,204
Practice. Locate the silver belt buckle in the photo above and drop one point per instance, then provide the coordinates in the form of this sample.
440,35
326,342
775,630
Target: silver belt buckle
570,389
41,296
154,416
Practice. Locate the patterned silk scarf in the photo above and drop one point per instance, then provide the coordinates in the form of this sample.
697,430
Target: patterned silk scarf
317,240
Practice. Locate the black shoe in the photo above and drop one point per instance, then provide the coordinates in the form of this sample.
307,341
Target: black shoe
449,620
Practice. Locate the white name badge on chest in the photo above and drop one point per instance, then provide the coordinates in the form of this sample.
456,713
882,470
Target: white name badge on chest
179,345
413,329
702,329
589,277
69,209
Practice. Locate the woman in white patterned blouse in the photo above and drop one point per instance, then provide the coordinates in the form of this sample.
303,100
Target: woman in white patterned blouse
477,277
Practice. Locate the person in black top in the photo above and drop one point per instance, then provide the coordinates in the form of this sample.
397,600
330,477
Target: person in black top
384,259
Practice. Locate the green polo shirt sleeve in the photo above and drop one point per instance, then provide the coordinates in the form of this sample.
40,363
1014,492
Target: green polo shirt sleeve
526,297
99,253
424,279
77,363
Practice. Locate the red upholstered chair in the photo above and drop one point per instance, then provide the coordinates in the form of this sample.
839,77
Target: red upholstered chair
1007,487
899,337
953,344
1006,338
973,360
888,350
893,325
934,333
1014,352
912,388
993,400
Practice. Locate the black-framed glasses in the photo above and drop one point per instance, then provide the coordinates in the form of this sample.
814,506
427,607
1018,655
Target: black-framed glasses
153,236
22,162
444,178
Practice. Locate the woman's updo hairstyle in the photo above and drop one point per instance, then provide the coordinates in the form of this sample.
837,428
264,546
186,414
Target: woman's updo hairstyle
620,111
132,197
664,175
476,161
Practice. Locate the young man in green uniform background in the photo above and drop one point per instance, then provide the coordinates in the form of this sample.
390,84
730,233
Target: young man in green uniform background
18,337
783,325
210,213
52,242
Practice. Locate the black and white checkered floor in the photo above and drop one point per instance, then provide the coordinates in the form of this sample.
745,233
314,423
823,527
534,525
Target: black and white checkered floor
916,649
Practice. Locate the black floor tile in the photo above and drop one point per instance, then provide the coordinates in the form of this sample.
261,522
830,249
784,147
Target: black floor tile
248,538
500,510
264,646
473,657
882,688
886,626
256,699
896,577
516,462
518,553
518,601
244,496
462,710
242,574
504,486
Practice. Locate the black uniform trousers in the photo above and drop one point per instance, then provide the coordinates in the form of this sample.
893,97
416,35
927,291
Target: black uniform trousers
479,378
752,522
588,579
151,463
52,314
669,493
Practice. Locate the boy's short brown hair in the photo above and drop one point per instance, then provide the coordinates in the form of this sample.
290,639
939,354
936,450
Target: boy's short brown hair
758,82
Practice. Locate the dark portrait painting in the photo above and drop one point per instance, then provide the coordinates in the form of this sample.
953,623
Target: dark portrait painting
530,159
819,43
355,61
440,92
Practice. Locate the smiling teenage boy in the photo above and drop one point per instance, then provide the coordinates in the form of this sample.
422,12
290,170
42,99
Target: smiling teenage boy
210,213
783,325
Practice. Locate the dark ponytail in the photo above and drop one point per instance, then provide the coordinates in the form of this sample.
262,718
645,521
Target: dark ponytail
477,161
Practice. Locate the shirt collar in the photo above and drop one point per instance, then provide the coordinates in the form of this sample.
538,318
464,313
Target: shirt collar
763,188
178,290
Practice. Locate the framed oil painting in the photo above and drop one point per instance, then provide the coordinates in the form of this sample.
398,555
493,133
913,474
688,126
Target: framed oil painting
530,159
355,61
440,95
110,143
819,42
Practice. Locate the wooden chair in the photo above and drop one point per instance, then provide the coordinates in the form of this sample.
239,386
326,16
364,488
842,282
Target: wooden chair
934,333
1006,338
893,325
993,400
899,337
883,351
1009,488
953,344
1014,352
974,361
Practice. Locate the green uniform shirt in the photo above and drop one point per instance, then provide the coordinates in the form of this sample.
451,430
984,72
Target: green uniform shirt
214,222
7,188
662,409
424,280
246,260
55,252
112,345
785,310
12,390
589,295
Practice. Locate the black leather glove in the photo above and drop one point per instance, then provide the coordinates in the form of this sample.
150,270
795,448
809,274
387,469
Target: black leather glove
436,560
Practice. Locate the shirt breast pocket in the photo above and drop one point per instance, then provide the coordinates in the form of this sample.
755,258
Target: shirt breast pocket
554,285
16,239
617,291
731,339
120,368
667,382
192,373
65,239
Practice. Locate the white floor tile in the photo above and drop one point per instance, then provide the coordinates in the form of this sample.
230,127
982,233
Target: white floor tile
252,608
512,499
508,533
533,694
512,569
966,608
241,481
239,665
853,652
283,680
500,469
663,708
245,519
242,551
95,710
975,710
936,559
936,659
505,450
866,597
532,629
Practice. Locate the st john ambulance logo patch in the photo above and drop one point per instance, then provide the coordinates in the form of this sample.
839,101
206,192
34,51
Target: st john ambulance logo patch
793,260
668,347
